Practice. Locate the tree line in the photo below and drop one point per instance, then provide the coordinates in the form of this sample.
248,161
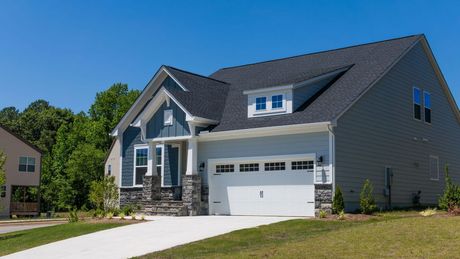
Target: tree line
74,145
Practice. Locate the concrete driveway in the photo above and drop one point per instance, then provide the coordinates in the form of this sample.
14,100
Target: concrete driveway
17,227
143,238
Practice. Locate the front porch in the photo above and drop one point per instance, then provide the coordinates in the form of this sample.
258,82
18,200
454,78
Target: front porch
24,201
170,184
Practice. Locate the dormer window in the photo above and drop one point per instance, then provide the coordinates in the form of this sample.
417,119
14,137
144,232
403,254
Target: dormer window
277,101
261,103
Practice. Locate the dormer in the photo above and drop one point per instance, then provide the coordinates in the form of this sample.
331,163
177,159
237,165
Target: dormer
269,101
288,98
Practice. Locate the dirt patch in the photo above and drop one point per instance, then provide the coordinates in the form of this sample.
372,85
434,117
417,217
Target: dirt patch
349,217
106,220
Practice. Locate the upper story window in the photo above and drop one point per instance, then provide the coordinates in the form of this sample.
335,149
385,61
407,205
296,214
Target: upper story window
261,103
168,117
277,101
140,167
417,96
26,164
159,158
427,106
109,170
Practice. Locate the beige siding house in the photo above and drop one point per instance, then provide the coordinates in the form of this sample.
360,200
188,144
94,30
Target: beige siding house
112,162
20,195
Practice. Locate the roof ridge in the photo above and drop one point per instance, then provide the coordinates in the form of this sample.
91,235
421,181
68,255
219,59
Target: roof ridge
195,74
318,52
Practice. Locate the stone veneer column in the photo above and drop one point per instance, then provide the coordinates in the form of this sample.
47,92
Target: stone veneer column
152,180
191,194
323,198
191,181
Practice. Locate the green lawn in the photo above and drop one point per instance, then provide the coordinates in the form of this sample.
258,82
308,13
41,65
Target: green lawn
21,240
396,235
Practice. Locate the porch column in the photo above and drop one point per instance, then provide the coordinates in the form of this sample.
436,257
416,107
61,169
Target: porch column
191,183
192,157
152,180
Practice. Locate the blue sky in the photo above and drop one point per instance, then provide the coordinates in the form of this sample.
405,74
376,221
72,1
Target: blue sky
66,51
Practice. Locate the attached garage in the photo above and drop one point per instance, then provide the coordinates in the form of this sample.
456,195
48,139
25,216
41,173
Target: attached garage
270,186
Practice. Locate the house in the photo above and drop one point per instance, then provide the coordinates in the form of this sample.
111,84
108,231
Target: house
20,195
277,137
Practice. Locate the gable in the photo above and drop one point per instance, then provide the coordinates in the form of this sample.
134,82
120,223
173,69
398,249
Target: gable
156,128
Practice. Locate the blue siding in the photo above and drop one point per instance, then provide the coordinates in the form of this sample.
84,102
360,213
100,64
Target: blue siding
131,137
157,129
171,166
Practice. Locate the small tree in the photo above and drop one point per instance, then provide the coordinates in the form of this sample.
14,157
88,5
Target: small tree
337,202
366,198
104,194
450,200
2,172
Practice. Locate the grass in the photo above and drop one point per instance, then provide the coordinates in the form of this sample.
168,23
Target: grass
21,240
396,235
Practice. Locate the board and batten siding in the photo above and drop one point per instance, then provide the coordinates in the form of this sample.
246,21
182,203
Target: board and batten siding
379,130
156,128
317,142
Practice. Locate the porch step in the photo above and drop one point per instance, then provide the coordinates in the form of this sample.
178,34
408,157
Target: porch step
171,193
165,208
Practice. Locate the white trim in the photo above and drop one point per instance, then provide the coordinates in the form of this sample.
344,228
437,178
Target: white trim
264,131
332,158
269,110
136,147
269,89
429,162
168,117
178,165
164,139
175,79
280,158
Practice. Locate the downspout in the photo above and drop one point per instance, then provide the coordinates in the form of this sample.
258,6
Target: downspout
332,156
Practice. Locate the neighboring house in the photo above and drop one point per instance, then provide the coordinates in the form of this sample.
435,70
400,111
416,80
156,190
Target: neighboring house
276,137
20,195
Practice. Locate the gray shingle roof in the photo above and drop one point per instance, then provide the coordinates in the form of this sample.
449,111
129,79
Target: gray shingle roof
369,62
205,96
220,96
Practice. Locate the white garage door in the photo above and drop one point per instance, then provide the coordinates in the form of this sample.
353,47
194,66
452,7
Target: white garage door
277,186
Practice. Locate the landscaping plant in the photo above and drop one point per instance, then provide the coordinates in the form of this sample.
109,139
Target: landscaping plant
104,194
428,212
337,202
341,215
322,214
73,216
450,200
366,198
122,215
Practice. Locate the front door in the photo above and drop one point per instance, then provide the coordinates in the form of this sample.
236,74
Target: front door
171,165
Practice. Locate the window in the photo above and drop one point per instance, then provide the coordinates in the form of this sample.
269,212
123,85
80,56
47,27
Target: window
427,106
277,101
26,164
249,167
141,157
2,191
276,166
261,103
302,165
168,117
109,170
225,168
159,161
434,168
417,104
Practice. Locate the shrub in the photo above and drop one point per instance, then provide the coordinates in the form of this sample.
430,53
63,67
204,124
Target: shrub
104,194
337,202
122,215
14,216
73,216
128,209
142,217
366,198
133,216
450,200
341,215
428,212
110,215
322,214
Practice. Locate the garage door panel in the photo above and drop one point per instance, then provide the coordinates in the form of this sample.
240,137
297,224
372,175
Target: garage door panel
284,193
